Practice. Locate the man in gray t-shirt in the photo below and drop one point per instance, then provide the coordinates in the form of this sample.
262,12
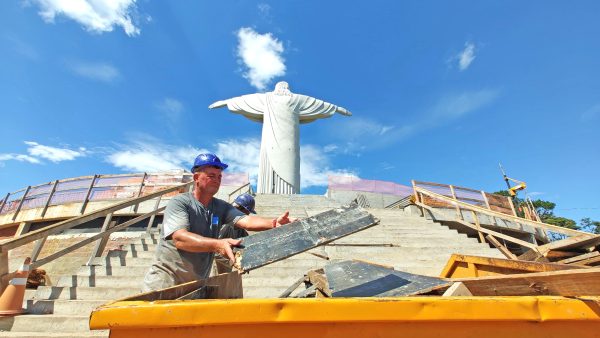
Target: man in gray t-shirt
190,230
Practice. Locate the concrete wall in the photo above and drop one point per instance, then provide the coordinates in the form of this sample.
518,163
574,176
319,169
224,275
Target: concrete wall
376,200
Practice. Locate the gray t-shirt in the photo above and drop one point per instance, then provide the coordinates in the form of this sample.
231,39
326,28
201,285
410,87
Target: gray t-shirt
172,266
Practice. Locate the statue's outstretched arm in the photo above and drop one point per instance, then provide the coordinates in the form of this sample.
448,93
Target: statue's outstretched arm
343,111
218,104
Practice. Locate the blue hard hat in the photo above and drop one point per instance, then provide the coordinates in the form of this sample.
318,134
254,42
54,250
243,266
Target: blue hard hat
246,201
210,160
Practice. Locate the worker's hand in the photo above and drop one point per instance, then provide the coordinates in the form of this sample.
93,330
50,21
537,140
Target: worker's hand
283,219
224,248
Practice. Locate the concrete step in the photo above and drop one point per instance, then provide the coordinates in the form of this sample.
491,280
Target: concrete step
98,280
62,306
86,292
414,250
131,270
406,241
46,323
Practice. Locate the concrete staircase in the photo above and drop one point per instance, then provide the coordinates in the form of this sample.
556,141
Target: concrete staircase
408,243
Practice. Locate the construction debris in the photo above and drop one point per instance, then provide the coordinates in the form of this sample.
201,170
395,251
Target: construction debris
360,279
270,246
476,266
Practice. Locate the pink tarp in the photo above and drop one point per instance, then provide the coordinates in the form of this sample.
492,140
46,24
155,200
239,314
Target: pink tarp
353,183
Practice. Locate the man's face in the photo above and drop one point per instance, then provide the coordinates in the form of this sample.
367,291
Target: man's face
208,179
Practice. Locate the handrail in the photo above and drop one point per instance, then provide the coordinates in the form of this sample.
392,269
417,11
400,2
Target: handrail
239,189
535,224
41,234
73,222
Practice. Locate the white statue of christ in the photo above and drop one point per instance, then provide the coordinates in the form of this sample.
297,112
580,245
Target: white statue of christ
280,112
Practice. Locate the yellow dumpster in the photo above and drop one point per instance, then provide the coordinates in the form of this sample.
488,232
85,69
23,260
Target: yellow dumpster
414,317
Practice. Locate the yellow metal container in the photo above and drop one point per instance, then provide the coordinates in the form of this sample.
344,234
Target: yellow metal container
415,317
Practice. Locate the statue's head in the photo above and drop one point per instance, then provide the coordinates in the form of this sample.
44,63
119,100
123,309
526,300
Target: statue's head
282,88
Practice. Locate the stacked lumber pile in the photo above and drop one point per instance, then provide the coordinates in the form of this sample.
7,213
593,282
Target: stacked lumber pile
583,250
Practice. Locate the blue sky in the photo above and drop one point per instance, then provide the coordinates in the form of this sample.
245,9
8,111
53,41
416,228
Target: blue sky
440,91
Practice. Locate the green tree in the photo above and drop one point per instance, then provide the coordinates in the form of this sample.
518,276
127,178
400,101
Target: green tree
561,222
588,225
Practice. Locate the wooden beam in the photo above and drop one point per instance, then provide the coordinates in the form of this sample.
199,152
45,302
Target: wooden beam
478,226
229,287
317,278
485,199
512,206
292,287
457,208
23,228
484,230
88,240
568,283
49,199
135,208
477,266
589,261
500,247
457,289
579,257
534,224
273,245
101,244
581,241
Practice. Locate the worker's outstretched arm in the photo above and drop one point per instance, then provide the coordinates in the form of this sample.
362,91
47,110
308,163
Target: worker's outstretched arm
189,241
256,223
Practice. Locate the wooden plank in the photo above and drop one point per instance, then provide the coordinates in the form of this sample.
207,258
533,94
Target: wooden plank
576,242
535,224
307,293
512,206
317,278
292,287
101,244
458,266
500,247
484,230
273,245
457,289
568,283
590,261
359,279
579,257
229,287
139,194
478,225
23,228
88,240
457,208
554,255
485,199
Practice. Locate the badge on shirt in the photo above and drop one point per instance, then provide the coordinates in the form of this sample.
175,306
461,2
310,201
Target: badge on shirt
215,220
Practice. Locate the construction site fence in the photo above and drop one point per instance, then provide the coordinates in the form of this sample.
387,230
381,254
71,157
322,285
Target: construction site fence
480,198
102,187
353,183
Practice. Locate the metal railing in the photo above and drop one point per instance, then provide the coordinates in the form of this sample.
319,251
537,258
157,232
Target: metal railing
244,189
40,236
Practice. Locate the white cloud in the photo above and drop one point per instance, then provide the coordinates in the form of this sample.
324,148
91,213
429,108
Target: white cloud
23,48
150,155
315,167
261,54
466,56
96,71
38,151
18,157
242,155
52,153
96,16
